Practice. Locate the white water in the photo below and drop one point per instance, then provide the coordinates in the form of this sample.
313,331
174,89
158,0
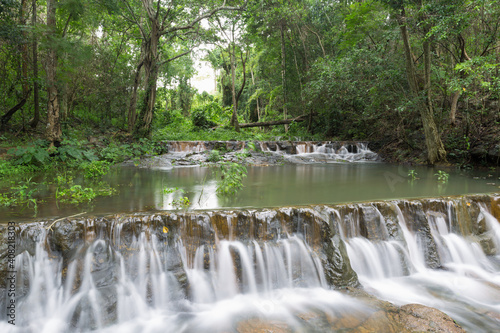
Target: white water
273,281
325,152
233,281
467,287
306,151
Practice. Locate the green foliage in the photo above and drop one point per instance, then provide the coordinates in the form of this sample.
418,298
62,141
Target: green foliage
75,194
116,153
214,156
231,178
9,169
73,152
68,192
21,194
170,190
200,119
413,175
442,176
39,155
181,202
95,169
35,154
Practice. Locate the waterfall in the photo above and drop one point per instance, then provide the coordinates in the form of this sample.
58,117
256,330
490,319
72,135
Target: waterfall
294,151
231,271
466,282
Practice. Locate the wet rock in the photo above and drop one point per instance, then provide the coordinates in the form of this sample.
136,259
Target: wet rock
4,247
391,220
336,264
488,244
421,318
495,207
407,318
371,223
67,235
417,222
95,310
256,325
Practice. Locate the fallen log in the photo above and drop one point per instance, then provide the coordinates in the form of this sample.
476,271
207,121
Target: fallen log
275,122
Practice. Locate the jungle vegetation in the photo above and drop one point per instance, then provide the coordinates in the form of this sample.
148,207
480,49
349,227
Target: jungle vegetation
418,78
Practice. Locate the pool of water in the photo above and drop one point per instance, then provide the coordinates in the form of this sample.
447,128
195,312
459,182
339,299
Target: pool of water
271,186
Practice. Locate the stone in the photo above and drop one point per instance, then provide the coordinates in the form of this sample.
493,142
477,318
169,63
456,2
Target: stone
421,318
256,325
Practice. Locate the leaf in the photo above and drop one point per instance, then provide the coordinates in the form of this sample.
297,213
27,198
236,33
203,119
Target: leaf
165,230
89,155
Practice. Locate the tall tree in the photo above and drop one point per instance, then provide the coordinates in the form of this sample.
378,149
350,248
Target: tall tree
23,46
53,130
422,92
162,23
36,90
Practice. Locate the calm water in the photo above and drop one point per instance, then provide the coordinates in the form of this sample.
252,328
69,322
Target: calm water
143,189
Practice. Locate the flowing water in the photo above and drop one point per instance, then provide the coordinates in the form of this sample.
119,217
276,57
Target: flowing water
231,271
248,269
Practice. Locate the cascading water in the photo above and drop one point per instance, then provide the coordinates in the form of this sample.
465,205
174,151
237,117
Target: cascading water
140,288
465,284
251,271
294,151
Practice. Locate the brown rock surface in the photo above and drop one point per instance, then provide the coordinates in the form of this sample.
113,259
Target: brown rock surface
255,325
421,318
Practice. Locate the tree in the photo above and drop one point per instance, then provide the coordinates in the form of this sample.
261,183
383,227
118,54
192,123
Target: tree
161,23
53,130
22,44
421,90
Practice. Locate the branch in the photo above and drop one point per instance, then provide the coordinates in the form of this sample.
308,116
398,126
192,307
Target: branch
319,39
66,25
149,10
134,19
199,18
274,123
62,218
243,62
173,58
449,51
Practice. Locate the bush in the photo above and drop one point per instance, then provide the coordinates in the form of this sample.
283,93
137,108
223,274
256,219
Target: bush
214,156
201,119
95,169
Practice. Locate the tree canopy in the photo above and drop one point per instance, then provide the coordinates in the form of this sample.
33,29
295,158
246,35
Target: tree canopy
416,75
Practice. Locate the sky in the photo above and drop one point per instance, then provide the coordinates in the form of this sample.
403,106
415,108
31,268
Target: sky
205,79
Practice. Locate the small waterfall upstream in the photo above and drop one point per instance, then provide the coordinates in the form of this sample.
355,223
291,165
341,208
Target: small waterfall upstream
287,269
293,151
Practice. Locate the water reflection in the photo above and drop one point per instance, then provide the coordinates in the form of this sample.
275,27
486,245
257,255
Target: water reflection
143,189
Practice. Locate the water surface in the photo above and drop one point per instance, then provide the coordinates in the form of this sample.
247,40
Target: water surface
271,186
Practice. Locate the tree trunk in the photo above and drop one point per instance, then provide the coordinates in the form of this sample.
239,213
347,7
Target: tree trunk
24,51
275,122
150,63
36,115
283,71
435,149
234,118
454,107
6,117
257,99
456,95
133,99
24,69
53,129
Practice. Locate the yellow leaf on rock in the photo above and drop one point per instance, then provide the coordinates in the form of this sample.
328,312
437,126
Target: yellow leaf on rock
165,230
